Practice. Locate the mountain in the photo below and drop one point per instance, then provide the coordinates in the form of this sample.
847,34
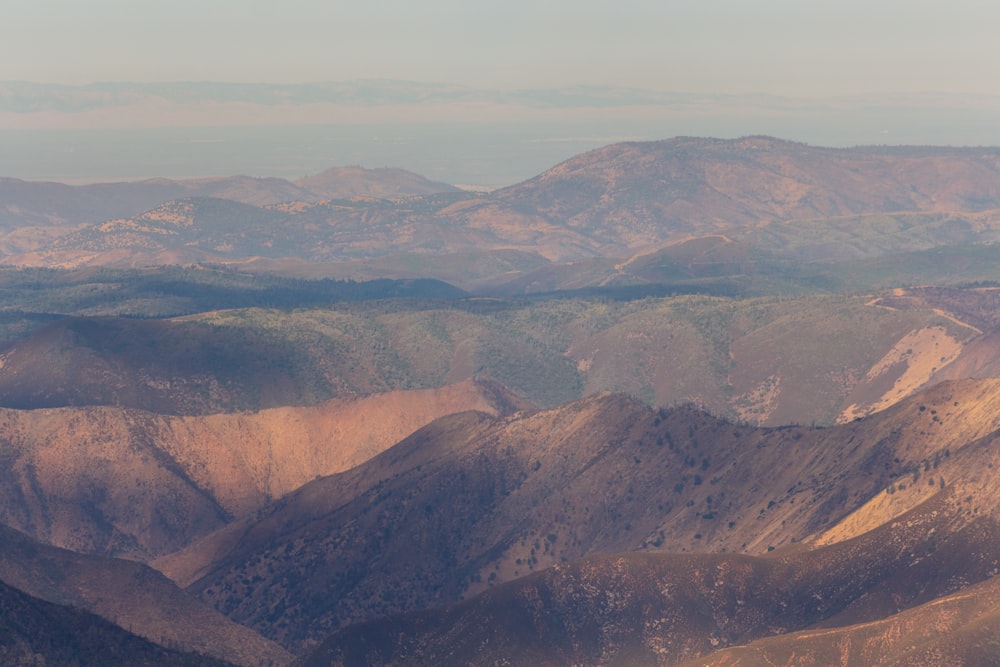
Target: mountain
127,482
251,436
470,501
657,609
807,202
219,362
35,632
637,194
47,203
763,360
134,597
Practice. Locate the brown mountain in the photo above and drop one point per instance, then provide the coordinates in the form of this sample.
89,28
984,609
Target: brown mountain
36,632
655,609
469,501
133,483
633,195
134,597
614,201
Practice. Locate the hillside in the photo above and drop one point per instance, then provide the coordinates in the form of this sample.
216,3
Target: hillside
137,484
767,360
132,596
957,629
35,632
633,195
487,500
654,609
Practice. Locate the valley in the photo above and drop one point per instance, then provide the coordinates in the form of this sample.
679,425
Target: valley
684,402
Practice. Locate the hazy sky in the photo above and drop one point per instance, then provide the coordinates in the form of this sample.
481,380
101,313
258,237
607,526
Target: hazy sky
786,47
905,71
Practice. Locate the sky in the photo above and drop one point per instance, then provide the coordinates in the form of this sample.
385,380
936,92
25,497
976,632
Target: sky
784,47
826,72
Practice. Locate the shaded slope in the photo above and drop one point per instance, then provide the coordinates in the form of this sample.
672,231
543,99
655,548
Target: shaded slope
470,501
653,609
132,596
34,632
193,366
127,482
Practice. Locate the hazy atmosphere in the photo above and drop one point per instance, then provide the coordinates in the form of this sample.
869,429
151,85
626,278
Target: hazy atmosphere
343,334
383,84
782,47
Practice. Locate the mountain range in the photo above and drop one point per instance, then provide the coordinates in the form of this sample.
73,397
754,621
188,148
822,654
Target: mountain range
686,402
616,201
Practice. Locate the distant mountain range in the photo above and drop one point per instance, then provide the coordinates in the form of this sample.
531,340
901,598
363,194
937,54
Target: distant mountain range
30,203
616,201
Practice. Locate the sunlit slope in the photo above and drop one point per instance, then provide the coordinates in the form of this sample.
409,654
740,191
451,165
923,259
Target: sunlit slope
139,484
839,604
470,501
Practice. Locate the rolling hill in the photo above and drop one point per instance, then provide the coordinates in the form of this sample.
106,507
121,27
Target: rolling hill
767,360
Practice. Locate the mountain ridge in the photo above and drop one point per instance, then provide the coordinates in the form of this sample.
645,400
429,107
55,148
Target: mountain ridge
131,483
132,596
612,201
490,499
